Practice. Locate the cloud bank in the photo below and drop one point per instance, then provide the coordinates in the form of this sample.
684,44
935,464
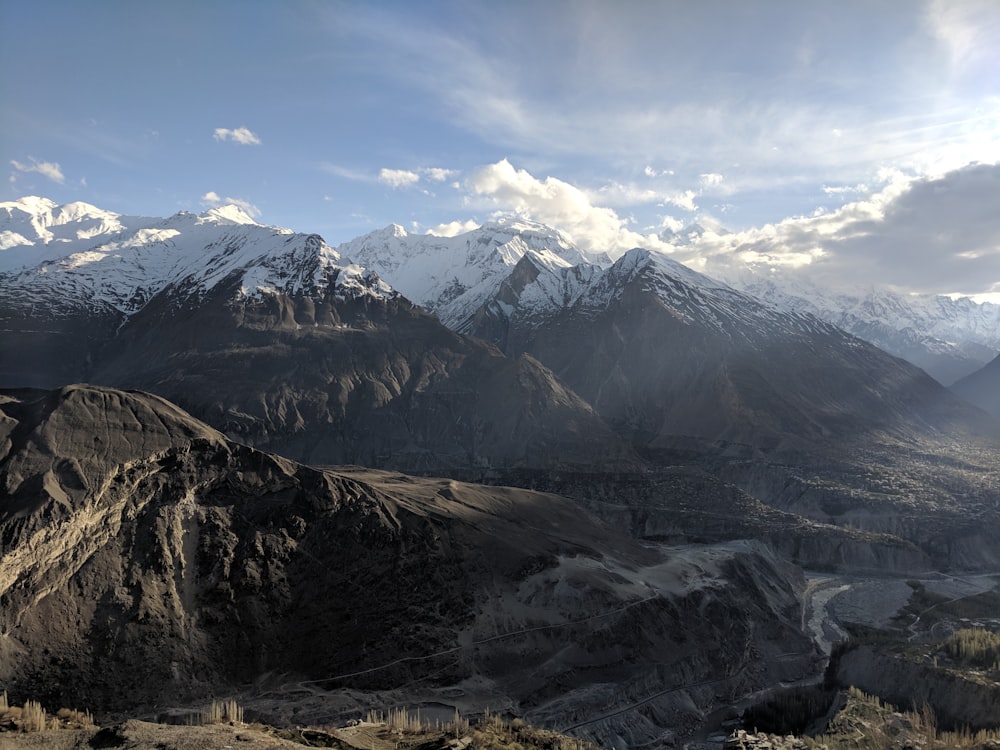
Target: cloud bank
936,234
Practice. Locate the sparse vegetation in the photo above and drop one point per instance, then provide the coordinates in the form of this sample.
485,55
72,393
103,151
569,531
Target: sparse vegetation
32,717
866,723
496,733
974,647
402,727
222,711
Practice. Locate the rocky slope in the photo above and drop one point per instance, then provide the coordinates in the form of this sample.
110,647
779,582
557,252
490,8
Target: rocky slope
982,388
148,560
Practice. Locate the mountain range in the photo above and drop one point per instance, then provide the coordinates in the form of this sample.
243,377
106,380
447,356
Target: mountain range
454,276
606,428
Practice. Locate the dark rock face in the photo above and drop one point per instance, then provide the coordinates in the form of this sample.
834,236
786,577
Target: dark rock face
982,388
373,382
147,558
658,350
325,379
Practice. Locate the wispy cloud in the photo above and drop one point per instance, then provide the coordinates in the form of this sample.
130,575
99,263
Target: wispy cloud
243,136
347,173
48,169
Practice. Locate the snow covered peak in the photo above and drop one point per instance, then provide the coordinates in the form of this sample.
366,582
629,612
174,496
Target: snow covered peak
454,276
122,262
395,230
29,204
639,259
34,229
228,214
511,226
947,337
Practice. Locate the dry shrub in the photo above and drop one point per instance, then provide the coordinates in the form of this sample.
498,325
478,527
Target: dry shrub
73,719
33,717
221,712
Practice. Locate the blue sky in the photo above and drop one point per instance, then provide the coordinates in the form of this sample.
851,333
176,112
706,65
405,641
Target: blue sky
830,136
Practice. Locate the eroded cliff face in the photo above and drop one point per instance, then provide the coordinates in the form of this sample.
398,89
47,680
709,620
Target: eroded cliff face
958,698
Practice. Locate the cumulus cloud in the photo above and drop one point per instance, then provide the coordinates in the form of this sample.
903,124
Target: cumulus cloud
243,136
559,204
453,228
46,168
398,178
212,199
916,233
683,199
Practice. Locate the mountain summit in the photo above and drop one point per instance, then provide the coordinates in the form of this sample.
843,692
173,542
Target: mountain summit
453,276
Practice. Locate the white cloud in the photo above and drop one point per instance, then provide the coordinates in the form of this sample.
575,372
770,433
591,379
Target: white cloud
841,190
46,168
671,224
437,174
916,233
453,228
619,194
398,178
243,136
711,179
683,199
556,203
212,199
923,234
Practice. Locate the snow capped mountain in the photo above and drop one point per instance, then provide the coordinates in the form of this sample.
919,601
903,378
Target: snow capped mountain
661,351
949,338
67,255
453,276
534,294
60,257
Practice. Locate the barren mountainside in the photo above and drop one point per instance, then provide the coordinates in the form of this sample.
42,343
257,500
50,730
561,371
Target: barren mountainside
153,561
